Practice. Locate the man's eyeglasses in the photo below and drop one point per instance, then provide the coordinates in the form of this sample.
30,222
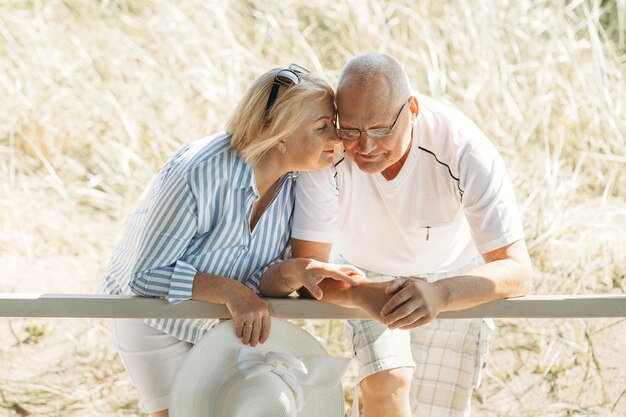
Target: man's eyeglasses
286,77
377,133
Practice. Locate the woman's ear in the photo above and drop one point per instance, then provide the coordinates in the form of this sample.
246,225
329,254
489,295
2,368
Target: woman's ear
282,148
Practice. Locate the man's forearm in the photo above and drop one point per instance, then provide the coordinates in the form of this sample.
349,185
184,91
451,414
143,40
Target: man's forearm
492,281
369,296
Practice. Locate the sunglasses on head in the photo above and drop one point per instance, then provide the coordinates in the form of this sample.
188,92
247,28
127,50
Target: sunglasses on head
287,77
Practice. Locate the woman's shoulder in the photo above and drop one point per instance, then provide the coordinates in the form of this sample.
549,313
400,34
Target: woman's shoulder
204,152
206,148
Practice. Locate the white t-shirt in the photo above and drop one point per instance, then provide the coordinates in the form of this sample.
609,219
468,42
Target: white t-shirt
451,201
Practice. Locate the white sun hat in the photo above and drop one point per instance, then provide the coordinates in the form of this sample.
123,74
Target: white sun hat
290,375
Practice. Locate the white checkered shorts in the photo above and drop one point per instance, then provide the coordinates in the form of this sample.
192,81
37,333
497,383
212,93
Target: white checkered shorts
376,348
448,355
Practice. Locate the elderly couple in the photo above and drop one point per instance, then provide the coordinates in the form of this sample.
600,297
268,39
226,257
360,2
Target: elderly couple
403,194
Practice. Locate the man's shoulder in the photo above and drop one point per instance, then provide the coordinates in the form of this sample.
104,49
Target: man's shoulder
441,107
446,132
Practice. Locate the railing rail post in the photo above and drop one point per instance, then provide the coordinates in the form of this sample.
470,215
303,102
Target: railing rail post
111,306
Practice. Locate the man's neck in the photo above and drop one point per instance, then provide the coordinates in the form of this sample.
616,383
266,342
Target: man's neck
393,170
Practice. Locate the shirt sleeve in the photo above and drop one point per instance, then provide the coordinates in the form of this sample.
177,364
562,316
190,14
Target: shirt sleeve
158,235
316,212
488,197
254,281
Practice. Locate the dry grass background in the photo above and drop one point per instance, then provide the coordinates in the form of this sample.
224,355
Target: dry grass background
95,96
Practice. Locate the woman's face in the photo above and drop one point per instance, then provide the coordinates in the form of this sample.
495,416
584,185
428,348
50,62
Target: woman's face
312,145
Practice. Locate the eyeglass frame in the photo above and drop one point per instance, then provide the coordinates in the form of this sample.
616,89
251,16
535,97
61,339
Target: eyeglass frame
281,77
388,129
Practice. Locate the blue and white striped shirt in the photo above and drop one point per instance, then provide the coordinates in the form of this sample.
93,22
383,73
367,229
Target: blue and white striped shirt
195,217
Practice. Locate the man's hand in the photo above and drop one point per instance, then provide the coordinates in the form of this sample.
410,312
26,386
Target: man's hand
415,302
308,273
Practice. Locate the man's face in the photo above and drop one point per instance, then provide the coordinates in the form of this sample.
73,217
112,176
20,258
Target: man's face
369,107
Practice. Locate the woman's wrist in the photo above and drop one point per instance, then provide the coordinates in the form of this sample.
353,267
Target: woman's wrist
233,289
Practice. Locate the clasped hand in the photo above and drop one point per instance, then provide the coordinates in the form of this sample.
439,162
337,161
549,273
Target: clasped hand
308,273
414,302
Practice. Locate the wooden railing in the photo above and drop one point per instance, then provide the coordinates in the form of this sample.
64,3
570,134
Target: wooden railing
109,306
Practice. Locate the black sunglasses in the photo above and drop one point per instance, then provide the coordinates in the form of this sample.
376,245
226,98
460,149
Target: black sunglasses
286,77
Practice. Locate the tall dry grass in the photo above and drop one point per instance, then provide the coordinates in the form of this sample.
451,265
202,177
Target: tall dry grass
95,96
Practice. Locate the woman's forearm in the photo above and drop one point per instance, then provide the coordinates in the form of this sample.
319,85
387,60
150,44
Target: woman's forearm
278,280
214,289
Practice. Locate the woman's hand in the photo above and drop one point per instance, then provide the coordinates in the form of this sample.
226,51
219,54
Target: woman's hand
308,273
250,314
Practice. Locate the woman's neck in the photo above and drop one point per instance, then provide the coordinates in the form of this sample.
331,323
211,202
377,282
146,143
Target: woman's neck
268,170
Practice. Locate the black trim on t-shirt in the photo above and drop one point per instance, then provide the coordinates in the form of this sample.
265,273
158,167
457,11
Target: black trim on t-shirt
458,181
338,162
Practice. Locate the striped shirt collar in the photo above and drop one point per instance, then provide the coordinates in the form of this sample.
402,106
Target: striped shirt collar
245,179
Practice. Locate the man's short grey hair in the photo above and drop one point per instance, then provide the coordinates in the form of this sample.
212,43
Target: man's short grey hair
365,68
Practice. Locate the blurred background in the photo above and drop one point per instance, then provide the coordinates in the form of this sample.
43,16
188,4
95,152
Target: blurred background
95,95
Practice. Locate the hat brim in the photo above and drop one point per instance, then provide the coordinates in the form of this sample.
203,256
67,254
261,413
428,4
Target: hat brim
212,361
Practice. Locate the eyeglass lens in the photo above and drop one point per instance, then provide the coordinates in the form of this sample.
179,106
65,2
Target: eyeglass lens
376,133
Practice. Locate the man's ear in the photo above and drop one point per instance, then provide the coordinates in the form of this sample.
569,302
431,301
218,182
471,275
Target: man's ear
414,108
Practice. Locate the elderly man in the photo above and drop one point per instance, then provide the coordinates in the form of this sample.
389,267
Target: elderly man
419,198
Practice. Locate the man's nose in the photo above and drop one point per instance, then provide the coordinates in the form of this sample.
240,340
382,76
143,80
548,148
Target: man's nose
366,144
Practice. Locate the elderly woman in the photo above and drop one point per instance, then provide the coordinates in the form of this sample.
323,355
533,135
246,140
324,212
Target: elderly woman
216,222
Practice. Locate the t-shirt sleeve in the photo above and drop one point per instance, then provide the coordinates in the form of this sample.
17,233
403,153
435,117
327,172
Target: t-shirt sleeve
316,212
488,197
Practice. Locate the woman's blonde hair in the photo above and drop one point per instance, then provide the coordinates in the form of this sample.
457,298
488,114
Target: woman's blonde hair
253,131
